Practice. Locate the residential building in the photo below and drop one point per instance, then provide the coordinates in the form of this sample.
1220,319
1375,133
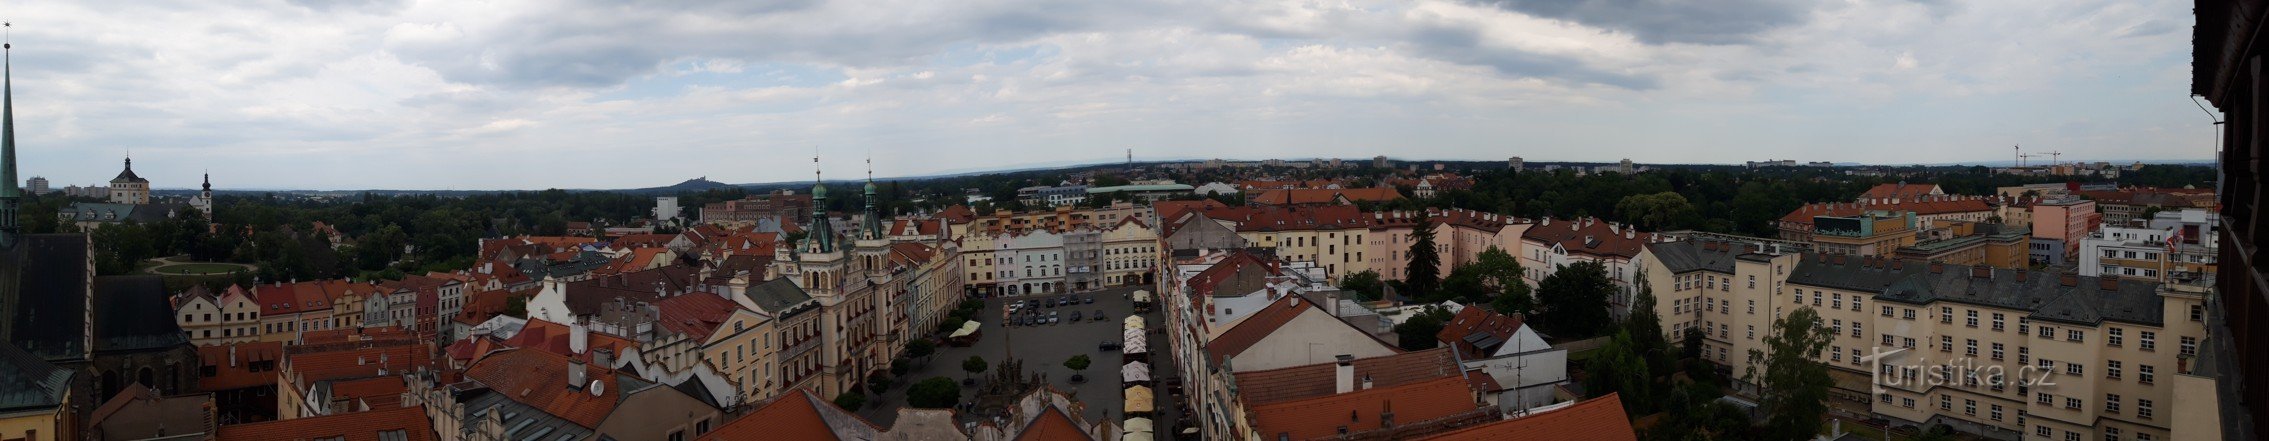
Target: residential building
1927,210
231,317
2174,247
1551,244
1597,419
1525,369
1871,234
37,186
1970,243
2063,223
784,204
1322,196
40,403
242,378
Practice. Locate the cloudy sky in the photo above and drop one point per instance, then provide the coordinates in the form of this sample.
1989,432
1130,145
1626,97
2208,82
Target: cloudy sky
474,94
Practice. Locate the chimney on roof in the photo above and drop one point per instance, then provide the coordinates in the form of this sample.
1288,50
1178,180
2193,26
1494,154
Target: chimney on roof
604,358
232,355
1345,373
578,337
1366,381
575,373
1937,268
2108,282
2068,280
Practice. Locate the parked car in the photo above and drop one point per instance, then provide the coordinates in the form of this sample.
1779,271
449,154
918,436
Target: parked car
1088,300
1052,317
1107,346
1075,316
1098,315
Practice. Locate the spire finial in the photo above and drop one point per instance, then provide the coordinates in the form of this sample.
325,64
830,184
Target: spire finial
8,190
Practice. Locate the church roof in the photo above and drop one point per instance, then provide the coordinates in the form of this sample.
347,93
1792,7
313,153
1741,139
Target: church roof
132,314
128,175
44,279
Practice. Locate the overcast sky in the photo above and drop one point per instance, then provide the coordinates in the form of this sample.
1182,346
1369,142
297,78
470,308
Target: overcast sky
470,94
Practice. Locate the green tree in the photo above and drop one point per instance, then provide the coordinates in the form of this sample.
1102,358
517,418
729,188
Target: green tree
921,348
1654,212
1425,270
1077,364
1418,332
1645,327
934,393
974,365
1793,389
1573,300
1364,284
850,400
1619,368
1500,274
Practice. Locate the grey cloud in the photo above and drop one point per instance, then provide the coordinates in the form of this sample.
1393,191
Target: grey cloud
1462,45
1673,21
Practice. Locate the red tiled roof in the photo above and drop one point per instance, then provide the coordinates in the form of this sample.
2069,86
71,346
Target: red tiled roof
356,363
696,315
797,415
1053,425
1317,196
1803,215
554,338
1358,411
539,380
1266,321
381,334
355,426
1589,236
1477,321
959,214
1597,419
379,392
241,375
910,254
1174,209
1321,379
1901,191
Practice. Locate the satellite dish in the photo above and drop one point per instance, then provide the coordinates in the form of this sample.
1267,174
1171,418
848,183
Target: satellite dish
597,388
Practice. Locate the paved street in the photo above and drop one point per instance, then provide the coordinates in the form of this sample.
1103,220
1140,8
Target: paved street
1044,349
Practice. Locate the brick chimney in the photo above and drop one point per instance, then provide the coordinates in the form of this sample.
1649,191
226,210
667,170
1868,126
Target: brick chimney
576,373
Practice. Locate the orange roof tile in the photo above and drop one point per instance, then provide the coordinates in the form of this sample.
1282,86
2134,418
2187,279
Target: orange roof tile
379,392
355,363
1321,196
1471,321
1589,236
1321,379
1597,419
554,338
1266,321
355,426
241,375
1900,190
539,379
696,315
1359,411
797,415
1053,425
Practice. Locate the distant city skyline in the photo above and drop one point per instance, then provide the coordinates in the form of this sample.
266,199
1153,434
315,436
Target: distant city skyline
530,95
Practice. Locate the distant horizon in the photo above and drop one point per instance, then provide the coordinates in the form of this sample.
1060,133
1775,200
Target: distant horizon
57,186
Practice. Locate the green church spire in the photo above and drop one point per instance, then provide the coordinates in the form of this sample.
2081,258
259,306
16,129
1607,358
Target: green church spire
873,227
9,193
820,235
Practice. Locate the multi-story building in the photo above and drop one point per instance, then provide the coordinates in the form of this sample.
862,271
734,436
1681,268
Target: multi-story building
2225,397
1550,244
208,319
854,292
37,186
785,204
1130,250
2064,222
1871,234
2173,247
1927,209
1029,262
1970,243
2098,339
128,188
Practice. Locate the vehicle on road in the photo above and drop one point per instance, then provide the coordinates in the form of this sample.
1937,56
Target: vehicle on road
1075,316
1098,315
1052,317
1107,346
1089,300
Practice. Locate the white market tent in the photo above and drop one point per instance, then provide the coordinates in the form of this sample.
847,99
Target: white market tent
1140,399
1138,429
1136,342
1134,322
1141,296
1135,371
967,327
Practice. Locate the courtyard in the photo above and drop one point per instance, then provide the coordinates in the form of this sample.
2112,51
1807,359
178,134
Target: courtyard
1043,348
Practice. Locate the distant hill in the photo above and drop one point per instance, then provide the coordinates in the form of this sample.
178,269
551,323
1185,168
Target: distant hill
690,185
